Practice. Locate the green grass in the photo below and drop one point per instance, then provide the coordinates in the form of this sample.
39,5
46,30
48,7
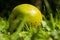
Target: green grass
48,30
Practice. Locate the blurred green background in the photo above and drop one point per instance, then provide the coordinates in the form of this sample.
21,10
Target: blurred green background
49,29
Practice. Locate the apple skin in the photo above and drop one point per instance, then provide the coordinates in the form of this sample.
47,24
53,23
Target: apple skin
31,14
